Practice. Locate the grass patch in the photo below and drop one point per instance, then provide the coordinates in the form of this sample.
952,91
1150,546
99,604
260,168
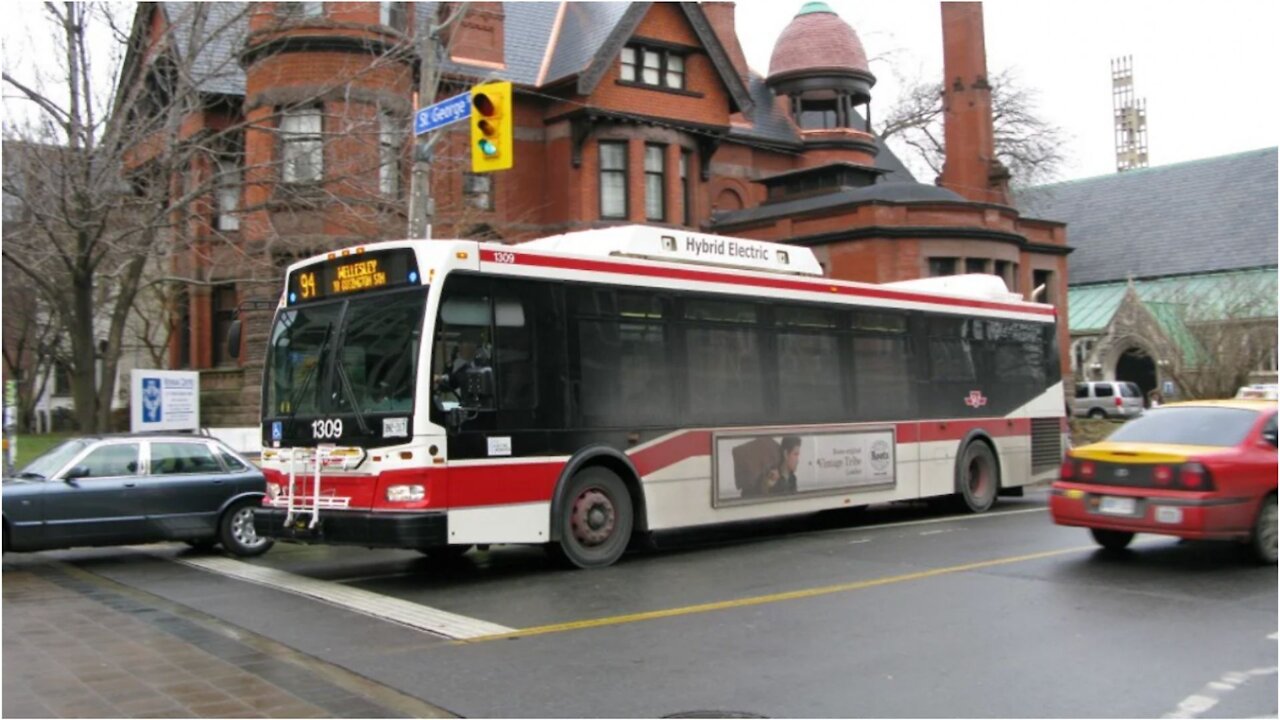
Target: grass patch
1086,430
32,446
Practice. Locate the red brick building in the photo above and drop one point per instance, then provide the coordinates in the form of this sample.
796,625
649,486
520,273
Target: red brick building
624,113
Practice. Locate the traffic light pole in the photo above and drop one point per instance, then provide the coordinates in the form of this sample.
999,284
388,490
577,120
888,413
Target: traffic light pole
420,203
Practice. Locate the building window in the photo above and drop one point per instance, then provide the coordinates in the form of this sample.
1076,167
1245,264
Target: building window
1009,271
477,190
392,14
655,184
224,311
941,266
1044,279
685,190
652,66
302,146
228,192
300,9
388,154
613,180
182,322
976,266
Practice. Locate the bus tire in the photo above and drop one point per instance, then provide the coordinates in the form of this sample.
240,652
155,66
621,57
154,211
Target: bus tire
595,520
978,477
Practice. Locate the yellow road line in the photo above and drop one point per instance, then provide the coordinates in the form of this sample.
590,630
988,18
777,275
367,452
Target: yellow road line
765,599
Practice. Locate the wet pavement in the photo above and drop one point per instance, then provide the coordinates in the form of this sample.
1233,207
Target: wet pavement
78,645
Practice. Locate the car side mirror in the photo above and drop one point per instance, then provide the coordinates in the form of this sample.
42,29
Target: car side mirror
75,473
1269,437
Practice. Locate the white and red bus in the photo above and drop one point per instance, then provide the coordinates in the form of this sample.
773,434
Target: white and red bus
580,389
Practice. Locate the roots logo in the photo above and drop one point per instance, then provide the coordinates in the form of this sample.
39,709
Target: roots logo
976,399
880,456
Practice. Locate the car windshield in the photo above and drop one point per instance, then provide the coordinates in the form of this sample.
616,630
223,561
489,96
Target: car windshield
1217,426
53,460
356,356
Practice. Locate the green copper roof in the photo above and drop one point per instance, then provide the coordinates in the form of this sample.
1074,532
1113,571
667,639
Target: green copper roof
814,7
1232,295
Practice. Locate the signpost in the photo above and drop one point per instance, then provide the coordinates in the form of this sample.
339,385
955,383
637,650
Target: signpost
445,112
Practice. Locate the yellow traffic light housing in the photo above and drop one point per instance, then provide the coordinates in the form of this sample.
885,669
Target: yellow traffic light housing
491,142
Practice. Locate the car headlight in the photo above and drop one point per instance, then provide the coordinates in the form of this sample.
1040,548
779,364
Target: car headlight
406,493
273,491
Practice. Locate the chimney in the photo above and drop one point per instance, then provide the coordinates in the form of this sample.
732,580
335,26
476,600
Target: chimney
970,168
479,37
720,15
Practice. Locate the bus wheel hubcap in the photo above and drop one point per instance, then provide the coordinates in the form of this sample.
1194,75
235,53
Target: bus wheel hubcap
593,517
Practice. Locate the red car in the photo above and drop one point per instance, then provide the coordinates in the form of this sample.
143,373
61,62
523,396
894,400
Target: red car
1202,470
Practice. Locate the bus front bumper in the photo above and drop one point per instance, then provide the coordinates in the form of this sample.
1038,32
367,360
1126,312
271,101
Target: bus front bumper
347,527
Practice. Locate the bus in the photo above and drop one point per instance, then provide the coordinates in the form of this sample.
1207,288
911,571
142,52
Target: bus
583,389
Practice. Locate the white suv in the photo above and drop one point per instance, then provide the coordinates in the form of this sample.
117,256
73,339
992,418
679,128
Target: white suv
1109,399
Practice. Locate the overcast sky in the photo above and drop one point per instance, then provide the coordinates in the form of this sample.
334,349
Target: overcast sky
1207,70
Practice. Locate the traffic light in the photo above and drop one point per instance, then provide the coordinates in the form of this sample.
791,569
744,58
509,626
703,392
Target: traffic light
491,146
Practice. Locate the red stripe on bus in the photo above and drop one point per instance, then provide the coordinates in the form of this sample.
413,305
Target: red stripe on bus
830,288
498,484
671,451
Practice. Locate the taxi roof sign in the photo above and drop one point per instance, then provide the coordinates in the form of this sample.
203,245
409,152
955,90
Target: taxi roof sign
656,243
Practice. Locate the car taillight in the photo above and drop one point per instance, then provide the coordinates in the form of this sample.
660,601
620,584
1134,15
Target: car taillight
1195,476
1119,402
1087,470
1068,470
1163,475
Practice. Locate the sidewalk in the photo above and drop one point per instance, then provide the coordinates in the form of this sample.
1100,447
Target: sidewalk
76,645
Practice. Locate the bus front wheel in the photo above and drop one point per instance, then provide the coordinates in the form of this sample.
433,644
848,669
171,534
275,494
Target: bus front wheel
595,520
978,477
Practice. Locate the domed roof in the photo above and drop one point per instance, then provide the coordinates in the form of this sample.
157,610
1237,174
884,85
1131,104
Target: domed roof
817,40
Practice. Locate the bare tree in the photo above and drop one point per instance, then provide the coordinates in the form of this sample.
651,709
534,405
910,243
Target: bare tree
1027,144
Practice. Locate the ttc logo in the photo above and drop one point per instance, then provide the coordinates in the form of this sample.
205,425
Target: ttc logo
975,399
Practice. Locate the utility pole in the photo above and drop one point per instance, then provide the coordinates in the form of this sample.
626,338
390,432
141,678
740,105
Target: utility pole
421,204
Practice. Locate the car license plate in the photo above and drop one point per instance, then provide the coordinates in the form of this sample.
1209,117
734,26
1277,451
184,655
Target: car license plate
1117,505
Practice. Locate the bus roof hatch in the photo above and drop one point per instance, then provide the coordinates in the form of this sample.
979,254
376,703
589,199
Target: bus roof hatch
655,243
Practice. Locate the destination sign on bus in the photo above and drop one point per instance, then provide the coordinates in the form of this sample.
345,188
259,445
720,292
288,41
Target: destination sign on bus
359,272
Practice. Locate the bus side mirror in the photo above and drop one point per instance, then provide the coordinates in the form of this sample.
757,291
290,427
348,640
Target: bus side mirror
233,339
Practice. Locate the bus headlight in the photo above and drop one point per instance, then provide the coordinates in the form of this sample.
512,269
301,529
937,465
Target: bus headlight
406,493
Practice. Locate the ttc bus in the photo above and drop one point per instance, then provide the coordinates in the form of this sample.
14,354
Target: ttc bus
580,389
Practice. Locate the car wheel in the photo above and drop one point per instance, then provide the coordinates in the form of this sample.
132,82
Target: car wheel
595,521
1263,541
978,476
1097,414
237,534
1113,540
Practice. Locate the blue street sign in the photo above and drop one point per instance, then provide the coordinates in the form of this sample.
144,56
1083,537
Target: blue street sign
445,112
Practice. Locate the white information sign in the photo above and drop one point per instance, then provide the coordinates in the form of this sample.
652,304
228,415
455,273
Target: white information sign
165,400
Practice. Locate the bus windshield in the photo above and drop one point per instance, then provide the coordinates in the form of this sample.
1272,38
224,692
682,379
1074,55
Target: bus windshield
355,357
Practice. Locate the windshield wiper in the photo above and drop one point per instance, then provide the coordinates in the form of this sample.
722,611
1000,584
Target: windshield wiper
297,394
344,381
25,474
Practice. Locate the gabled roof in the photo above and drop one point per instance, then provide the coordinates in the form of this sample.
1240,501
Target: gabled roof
1193,217
585,29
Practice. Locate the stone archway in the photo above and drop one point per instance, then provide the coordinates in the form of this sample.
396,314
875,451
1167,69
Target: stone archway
1136,366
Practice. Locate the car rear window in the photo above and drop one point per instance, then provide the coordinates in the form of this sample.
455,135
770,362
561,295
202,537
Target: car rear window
1218,426
1129,390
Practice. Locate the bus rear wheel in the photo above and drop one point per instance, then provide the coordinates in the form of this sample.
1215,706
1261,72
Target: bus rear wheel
595,520
978,476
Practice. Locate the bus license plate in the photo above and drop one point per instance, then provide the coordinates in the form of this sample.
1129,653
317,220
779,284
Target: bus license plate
1117,505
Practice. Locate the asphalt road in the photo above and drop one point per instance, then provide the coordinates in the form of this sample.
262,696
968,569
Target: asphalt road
903,611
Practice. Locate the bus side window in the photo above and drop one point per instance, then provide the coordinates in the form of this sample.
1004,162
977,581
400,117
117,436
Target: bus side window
514,353
462,347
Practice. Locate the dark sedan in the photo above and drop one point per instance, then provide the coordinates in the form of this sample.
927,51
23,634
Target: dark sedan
125,489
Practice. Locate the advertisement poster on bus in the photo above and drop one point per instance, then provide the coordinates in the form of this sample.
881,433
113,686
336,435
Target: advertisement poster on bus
763,466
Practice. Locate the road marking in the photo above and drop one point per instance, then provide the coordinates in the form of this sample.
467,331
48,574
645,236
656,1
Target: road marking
1211,694
927,521
766,599
419,617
